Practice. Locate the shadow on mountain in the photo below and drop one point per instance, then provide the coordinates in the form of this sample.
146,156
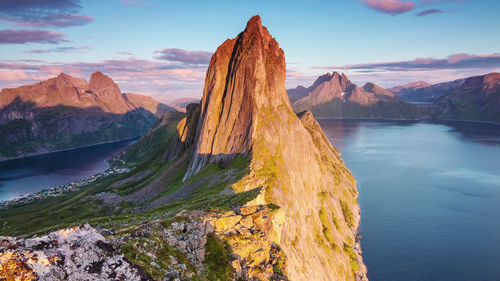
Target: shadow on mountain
28,129
162,157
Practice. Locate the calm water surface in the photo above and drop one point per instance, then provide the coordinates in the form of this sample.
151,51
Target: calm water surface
429,195
31,174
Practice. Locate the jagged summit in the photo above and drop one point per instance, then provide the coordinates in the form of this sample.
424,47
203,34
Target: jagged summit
246,75
245,111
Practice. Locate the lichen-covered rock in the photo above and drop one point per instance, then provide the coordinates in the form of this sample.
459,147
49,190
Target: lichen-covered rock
77,253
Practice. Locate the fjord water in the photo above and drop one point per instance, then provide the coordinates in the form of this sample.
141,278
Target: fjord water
32,174
429,196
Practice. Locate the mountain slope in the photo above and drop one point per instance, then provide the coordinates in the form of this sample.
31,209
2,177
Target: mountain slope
423,92
334,95
66,112
476,99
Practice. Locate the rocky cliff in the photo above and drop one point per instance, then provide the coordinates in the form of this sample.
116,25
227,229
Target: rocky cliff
238,188
245,111
65,112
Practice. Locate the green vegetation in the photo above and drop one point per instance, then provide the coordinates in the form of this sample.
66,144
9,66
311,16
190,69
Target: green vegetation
82,206
138,251
155,142
352,258
218,259
49,131
346,211
327,232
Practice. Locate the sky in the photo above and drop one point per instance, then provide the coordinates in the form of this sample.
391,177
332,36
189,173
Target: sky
162,48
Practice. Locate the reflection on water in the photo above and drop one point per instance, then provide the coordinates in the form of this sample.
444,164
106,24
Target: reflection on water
31,174
429,194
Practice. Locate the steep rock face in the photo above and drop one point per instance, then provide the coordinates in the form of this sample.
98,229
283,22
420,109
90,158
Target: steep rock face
244,78
65,112
108,93
245,111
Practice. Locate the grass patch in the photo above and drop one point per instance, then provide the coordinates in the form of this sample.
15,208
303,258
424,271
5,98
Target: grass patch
218,259
327,232
346,211
352,258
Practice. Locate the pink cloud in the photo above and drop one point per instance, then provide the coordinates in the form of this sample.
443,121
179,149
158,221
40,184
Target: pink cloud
132,75
59,20
454,61
393,7
125,53
429,12
186,56
23,36
13,75
79,50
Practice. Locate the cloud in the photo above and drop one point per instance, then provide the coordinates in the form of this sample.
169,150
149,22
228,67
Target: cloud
430,12
393,7
185,56
79,50
13,75
23,36
125,53
43,13
58,20
455,61
153,77
431,2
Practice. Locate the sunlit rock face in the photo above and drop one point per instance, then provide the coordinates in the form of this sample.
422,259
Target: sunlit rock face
78,253
245,110
245,77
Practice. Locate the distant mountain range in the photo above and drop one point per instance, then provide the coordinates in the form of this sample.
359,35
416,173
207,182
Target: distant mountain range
180,104
335,96
423,92
66,112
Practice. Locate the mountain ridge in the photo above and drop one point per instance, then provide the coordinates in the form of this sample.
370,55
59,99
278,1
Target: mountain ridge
470,99
57,113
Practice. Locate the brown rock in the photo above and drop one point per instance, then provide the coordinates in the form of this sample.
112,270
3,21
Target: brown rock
226,223
247,222
248,210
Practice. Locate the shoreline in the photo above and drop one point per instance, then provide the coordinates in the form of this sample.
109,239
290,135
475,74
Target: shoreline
414,120
66,149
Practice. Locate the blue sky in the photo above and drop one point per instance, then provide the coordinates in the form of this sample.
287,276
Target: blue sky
161,48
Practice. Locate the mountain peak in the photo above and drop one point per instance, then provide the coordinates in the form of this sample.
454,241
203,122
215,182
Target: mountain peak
255,69
245,111
64,75
100,81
